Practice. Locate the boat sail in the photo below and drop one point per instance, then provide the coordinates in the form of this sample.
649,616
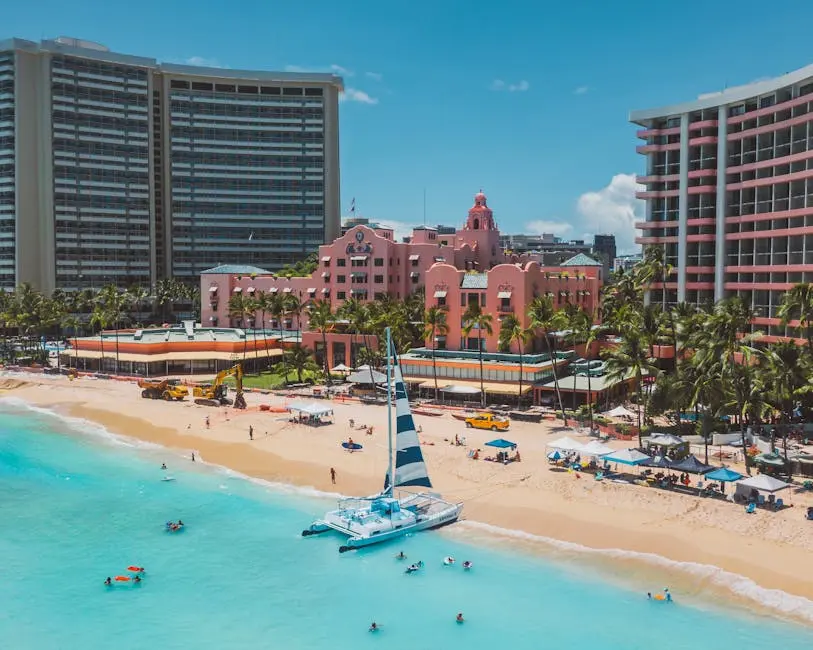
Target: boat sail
392,514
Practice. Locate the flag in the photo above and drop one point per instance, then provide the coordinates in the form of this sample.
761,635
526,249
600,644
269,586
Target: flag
251,236
353,206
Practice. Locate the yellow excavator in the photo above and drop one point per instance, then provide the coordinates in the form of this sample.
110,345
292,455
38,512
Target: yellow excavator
168,389
216,393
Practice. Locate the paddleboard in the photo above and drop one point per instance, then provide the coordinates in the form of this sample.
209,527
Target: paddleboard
168,478
351,446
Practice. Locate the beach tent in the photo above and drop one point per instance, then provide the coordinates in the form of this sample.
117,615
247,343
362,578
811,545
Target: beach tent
341,368
724,475
627,457
596,448
566,444
313,409
554,455
620,412
692,465
664,440
367,377
501,443
763,483
660,462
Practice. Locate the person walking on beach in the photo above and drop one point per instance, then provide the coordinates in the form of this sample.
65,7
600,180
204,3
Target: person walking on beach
193,456
208,424
251,432
333,476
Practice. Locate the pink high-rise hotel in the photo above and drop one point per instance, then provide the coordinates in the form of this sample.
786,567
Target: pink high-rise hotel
454,270
729,193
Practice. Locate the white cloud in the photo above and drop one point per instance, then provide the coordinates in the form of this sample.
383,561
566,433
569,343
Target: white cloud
614,209
581,90
519,87
356,95
333,67
375,76
342,71
400,229
203,61
543,226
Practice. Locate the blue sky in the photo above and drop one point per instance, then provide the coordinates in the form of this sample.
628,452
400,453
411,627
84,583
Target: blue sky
528,100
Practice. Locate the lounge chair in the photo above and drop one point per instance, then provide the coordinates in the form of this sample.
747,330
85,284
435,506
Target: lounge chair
761,500
779,504
599,476
751,508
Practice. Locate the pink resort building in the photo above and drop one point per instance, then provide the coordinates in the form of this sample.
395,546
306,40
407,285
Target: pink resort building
454,270
729,194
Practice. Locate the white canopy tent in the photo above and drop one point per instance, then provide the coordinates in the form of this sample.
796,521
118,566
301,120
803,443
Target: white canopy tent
566,444
312,409
341,368
596,448
367,377
763,483
620,412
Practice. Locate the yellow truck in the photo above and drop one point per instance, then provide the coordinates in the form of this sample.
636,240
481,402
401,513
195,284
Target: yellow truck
168,389
487,421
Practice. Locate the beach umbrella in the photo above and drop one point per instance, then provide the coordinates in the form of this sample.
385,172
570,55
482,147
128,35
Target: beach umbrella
596,448
554,455
724,475
627,457
566,444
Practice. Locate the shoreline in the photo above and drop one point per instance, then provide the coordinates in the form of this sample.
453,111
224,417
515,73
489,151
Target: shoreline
515,505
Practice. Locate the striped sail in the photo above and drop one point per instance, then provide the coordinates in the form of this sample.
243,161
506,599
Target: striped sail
410,468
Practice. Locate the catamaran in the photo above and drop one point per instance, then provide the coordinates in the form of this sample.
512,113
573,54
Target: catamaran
395,512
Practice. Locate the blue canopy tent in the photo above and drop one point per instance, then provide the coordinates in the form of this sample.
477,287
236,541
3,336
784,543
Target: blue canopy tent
692,465
659,462
501,443
627,457
724,475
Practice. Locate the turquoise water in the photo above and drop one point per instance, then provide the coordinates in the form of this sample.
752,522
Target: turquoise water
76,509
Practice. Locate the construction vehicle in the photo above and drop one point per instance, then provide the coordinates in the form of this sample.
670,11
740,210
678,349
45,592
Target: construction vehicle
168,389
216,393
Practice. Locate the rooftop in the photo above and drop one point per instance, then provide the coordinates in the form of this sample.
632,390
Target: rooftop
474,281
581,260
236,269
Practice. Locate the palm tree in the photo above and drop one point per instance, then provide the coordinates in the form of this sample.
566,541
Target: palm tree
137,295
631,358
475,318
352,310
512,331
301,360
545,319
785,373
654,269
100,318
113,301
276,307
294,306
797,304
585,331
435,325
72,322
321,319
240,308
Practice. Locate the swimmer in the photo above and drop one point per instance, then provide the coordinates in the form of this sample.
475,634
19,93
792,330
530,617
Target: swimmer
649,595
459,618
108,582
163,465
180,523
668,595
137,579
374,627
448,560
400,556
420,564
467,565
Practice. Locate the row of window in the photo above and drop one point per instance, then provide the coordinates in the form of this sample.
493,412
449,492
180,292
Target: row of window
288,91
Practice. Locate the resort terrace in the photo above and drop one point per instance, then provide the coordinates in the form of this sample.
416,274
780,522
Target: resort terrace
185,349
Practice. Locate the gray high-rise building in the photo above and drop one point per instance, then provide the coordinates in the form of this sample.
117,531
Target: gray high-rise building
115,168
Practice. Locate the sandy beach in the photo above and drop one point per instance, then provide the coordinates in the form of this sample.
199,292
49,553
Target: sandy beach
770,548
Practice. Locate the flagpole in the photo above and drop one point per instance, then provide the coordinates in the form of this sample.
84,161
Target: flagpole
424,206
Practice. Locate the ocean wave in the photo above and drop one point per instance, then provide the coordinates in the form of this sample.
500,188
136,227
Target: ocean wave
84,426
742,587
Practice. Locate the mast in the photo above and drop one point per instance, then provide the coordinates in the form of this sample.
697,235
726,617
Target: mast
390,471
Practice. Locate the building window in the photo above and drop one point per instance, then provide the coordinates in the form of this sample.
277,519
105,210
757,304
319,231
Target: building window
442,302
341,262
378,261
414,262
378,279
415,277
483,299
462,299
736,110
340,279
327,264
378,295
389,279
340,295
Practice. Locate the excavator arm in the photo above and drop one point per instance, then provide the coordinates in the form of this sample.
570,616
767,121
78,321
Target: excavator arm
215,393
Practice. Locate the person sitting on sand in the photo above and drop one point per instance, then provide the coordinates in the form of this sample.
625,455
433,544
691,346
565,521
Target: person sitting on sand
459,618
108,582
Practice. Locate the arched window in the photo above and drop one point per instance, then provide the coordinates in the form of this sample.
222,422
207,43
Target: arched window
477,224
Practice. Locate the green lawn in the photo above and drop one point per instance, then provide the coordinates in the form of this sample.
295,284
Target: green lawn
272,380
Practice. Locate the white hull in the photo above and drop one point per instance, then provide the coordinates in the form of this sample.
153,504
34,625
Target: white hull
363,528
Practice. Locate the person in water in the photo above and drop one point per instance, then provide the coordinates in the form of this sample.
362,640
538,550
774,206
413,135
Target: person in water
108,582
459,618
668,594
137,579
467,565
649,595
373,627
163,465
180,523
400,556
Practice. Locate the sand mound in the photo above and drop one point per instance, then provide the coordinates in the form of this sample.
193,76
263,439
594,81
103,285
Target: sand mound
12,384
